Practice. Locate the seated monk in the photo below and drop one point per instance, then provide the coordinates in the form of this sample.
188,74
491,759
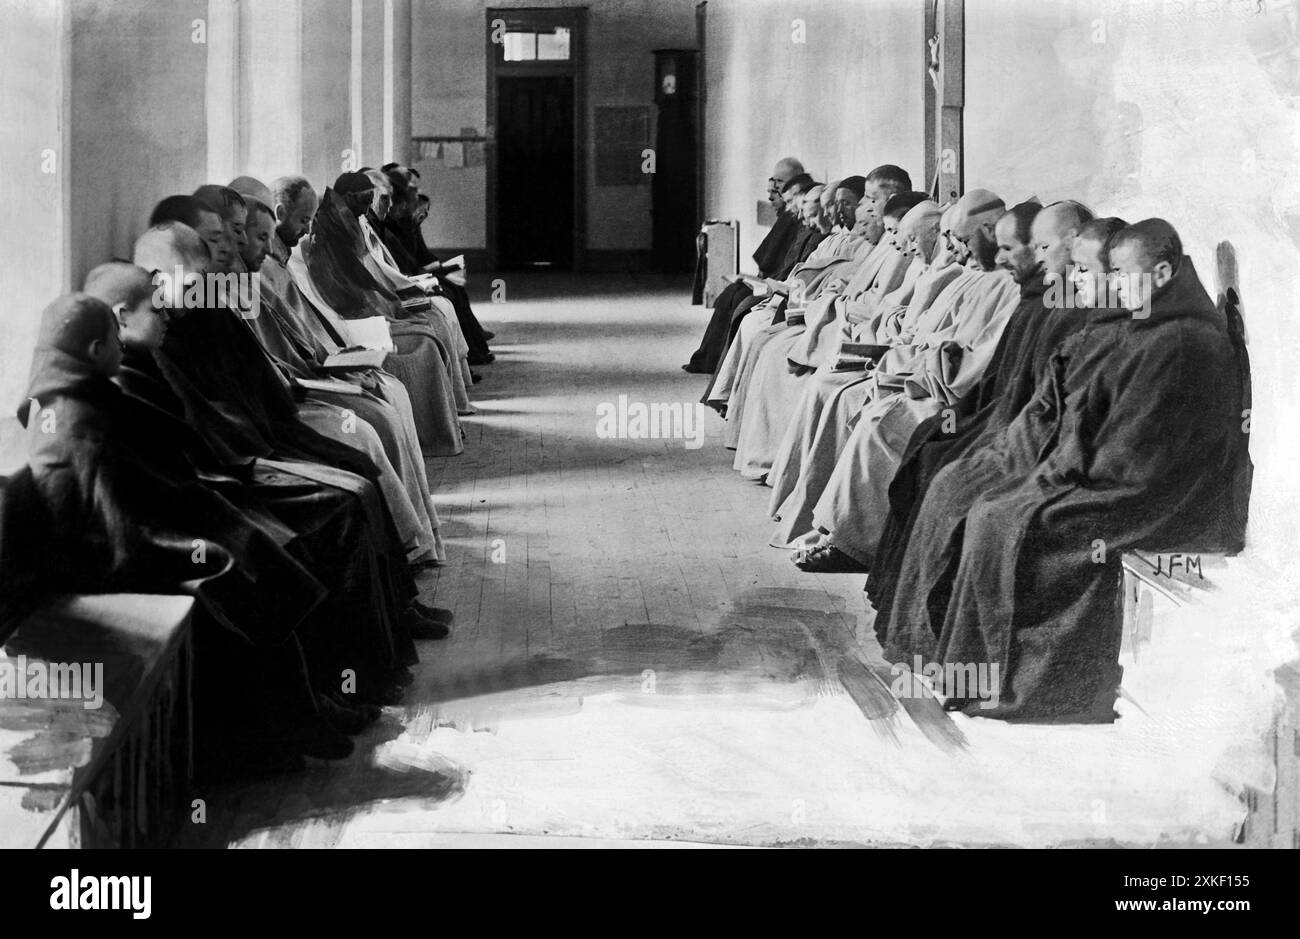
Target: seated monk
770,302
437,309
335,270
726,393
332,416
1133,440
300,360
402,236
219,378
419,370
927,363
851,509
1032,335
767,402
124,511
769,257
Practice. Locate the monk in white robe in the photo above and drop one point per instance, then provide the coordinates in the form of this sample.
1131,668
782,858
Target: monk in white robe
834,258
818,434
788,363
914,383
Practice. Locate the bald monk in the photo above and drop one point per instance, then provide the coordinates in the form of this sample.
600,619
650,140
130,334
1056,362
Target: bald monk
853,508
787,182
299,360
425,384
125,512
1033,333
333,417
1134,440
786,364
816,436
830,264
941,349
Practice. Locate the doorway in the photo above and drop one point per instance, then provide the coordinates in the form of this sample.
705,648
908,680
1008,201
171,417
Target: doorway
535,172
536,104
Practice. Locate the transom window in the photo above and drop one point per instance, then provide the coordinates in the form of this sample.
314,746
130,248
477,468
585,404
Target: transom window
536,45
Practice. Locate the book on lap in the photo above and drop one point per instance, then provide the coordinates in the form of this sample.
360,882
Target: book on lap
331,385
354,359
867,349
371,332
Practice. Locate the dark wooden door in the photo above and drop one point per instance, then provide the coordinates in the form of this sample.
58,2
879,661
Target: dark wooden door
534,205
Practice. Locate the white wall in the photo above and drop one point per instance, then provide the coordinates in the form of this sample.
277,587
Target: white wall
33,244
845,99
1139,115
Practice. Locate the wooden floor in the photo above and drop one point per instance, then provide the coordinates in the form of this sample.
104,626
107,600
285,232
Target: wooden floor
632,664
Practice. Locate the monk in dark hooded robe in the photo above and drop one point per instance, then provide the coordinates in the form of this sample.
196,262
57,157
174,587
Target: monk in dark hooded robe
127,512
1032,334
401,234
1135,439
228,391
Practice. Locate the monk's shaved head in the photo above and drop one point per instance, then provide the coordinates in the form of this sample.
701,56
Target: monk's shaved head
119,282
1154,241
174,244
1053,234
919,229
787,168
902,203
73,323
253,190
977,213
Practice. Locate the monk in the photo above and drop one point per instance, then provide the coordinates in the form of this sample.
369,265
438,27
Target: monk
333,416
402,236
925,365
787,183
335,269
127,513
300,360
1133,440
830,263
417,363
850,512
768,400
1032,335
229,391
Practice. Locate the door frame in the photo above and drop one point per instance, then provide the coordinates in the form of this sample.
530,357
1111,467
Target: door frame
575,19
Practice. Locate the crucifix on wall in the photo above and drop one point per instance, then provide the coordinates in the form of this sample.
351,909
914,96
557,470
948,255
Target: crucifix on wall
945,97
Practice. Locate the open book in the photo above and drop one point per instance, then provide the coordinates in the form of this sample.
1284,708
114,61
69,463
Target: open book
371,332
333,386
453,270
355,358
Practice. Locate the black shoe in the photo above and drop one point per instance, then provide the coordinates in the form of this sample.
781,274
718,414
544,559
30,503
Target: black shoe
487,335
484,359
475,377
421,627
826,559
347,718
435,613
696,370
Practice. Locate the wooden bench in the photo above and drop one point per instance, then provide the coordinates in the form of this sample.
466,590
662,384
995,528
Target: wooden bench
111,777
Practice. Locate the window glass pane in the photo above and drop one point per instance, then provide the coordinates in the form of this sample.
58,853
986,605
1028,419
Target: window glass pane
520,47
553,45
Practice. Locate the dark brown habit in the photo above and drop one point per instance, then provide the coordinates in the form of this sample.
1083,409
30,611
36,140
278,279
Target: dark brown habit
1032,334
1134,439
